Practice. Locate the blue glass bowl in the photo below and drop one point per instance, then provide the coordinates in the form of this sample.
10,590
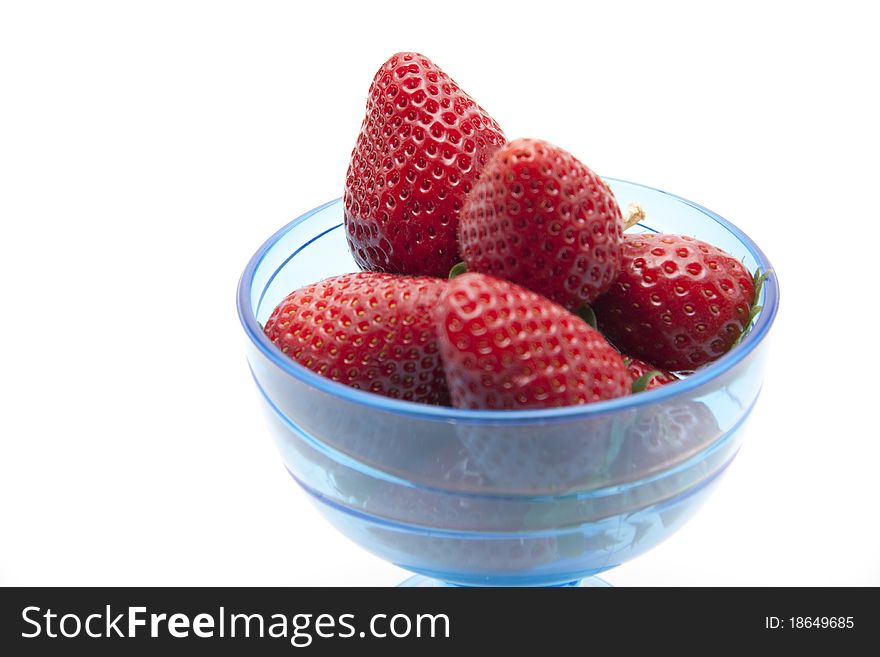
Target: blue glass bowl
540,497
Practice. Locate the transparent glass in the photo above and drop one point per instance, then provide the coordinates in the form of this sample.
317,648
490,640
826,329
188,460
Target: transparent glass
541,497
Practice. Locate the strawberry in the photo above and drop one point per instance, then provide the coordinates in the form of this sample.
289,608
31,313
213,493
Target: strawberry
422,145
541,219
678,302
543,460
645,376
407,518
370,331
447,533
664,434
505,347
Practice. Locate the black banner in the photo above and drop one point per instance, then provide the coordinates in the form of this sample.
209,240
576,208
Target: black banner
112,621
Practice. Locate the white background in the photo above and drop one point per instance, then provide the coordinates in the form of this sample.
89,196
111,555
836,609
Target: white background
149,148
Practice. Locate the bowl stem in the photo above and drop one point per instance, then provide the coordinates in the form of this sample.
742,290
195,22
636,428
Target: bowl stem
420,581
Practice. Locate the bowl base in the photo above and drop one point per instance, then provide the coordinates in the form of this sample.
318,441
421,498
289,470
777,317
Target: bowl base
422,582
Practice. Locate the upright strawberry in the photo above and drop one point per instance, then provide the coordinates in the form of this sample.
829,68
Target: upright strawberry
421,146
370,331
678,302
505,347
541,219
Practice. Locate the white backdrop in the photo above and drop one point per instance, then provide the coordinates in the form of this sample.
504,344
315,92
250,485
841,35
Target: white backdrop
149,148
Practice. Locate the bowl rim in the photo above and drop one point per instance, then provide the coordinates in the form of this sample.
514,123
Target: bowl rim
702,376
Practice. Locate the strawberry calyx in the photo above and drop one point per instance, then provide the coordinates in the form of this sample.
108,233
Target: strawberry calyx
585,312
641,384
458,269
645,376
758,279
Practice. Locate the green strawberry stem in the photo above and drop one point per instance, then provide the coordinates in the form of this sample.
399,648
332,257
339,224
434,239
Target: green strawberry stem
641,384
634,214
457,270
585,312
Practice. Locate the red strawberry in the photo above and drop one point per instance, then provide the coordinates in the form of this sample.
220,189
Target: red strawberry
421,146
645,376
678,302
506,347
370,331
540,218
